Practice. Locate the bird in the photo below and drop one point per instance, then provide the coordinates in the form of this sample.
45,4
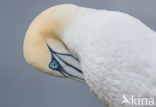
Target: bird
112,52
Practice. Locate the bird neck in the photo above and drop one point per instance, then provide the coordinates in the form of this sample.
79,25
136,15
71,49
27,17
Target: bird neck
48,28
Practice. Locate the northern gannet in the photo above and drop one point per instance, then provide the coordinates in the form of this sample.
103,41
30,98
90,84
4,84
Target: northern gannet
112,52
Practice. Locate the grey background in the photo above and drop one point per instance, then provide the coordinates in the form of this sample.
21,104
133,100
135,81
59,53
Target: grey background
23,86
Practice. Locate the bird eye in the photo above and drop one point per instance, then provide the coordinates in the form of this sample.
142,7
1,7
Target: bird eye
54,65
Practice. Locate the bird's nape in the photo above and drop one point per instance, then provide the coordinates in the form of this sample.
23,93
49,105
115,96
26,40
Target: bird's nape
116,51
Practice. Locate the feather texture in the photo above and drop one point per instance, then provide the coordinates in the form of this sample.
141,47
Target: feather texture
117,53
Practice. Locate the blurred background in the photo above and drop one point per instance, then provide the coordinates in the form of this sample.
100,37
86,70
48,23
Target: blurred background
23,86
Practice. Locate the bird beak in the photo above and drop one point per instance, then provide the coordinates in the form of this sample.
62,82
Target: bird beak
69,66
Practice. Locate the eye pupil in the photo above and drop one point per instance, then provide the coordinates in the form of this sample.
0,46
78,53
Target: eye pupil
54,65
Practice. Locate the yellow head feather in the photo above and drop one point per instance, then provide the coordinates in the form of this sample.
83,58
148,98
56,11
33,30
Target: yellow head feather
47,27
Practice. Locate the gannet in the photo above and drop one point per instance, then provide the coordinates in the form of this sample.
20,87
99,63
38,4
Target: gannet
112,52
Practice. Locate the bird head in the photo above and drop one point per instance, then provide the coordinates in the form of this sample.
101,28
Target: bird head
44,48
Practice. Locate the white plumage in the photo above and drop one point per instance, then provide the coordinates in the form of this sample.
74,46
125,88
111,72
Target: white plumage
117,54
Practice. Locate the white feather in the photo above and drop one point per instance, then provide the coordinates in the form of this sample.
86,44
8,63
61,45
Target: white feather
117,54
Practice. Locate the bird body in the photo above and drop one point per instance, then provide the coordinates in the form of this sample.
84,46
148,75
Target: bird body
114,51
117,55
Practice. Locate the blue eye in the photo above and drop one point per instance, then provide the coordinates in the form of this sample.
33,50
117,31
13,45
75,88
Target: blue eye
54,65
